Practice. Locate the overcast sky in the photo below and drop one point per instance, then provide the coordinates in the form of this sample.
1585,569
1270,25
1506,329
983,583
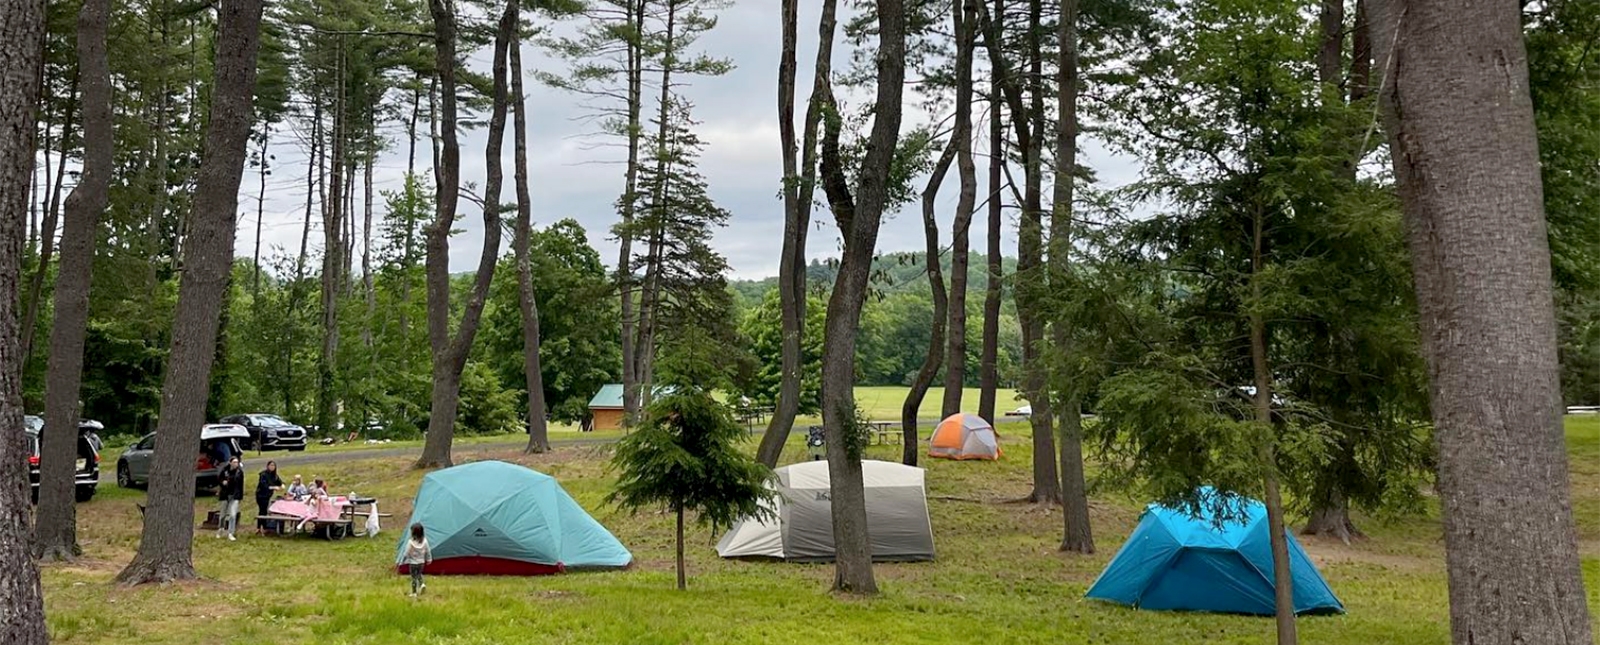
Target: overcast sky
571,175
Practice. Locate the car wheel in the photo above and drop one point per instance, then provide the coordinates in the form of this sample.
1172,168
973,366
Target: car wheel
83,493
124,478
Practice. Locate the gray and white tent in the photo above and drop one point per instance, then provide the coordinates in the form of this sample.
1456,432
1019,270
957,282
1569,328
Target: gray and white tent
801,529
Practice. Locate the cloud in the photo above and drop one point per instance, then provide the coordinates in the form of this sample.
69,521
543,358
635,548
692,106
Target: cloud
575,176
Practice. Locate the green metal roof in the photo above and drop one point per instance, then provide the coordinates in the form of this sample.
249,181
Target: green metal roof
610,396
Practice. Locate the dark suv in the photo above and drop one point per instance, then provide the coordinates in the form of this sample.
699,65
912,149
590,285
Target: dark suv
270,432
87,474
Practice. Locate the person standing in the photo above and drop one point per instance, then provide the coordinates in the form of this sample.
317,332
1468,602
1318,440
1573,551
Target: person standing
230,490
268,483
418,555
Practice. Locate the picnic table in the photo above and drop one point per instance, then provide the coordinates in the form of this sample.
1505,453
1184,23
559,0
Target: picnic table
878,432
333,519
882,431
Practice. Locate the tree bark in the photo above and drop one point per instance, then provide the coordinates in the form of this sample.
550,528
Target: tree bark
538,430
1475,225
47,234
989,368
635,73
799,187
858,218
910,442
1267,444
166,545
1077,536
1030,242
450,352
21,597
56,531
963,21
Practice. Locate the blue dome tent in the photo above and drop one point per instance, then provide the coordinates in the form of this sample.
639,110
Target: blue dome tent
1174,561
496,518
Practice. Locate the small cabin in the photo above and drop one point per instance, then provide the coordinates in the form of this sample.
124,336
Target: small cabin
606,406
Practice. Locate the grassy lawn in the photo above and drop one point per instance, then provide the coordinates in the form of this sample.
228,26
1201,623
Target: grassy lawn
998,578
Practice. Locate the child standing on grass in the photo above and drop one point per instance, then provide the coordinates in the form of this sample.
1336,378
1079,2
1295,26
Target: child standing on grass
418,555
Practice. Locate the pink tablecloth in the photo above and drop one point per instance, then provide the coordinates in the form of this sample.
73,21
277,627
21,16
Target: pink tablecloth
328,510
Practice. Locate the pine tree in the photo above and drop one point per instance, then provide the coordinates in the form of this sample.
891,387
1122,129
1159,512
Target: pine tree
686,456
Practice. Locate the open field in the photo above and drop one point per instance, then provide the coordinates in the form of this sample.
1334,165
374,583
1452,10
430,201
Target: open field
998,578
877,402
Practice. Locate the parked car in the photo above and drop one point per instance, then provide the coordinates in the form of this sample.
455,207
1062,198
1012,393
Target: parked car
270,432
216,440
87,474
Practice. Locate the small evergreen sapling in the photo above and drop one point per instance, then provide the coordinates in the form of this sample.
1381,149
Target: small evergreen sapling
685,457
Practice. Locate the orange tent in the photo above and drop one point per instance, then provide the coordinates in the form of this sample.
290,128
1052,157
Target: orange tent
965,436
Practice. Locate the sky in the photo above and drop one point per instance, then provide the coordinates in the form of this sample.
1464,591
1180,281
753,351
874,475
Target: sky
574,174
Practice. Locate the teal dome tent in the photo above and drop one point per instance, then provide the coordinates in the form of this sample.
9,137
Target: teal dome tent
496,518
1174,561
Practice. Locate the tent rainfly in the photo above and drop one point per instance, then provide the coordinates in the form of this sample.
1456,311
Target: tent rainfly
801,527
964,436
1175,561
495,518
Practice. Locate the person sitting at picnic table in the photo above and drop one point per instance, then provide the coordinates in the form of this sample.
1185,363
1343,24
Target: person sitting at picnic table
316,498
298,490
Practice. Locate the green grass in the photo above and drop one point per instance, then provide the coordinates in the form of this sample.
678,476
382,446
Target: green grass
998,578
883,403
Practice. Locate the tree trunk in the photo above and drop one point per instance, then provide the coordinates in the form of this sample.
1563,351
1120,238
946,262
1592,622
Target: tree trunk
56,533
1481,262
911,441
650,296
166,545
955,372
1330,50
36,189
1360,56
1030,242
1076,536
333,214
261,210
368,288
799,187
450,353
538,431
989,368
21,597
1283,579
858,218
682,582
635,73
410,223
1331,518
47,235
